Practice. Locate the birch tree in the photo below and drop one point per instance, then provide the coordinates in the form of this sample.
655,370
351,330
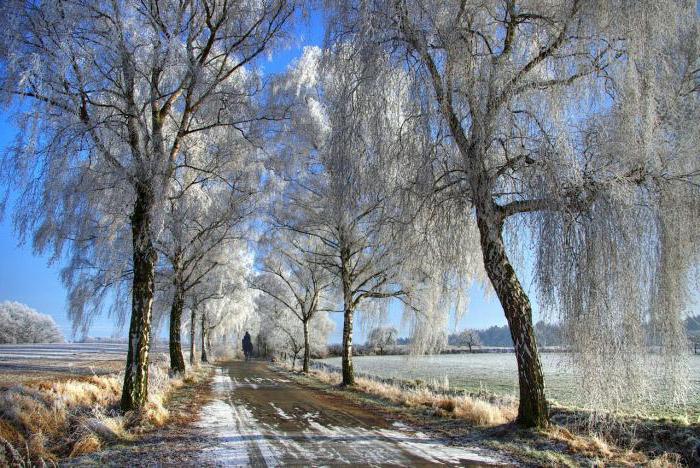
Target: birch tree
283,334
203,215
296,281
382,337
570,126
334,190
108,94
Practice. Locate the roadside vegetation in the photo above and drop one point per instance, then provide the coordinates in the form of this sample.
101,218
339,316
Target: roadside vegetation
475,410
573,438
45,421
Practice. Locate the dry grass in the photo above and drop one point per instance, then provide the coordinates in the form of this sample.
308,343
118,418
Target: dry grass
477,412
74,417
88,443
595,447
540,447
667,460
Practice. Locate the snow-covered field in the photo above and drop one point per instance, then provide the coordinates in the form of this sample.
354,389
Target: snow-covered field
63,351
36,361
493,372
67,351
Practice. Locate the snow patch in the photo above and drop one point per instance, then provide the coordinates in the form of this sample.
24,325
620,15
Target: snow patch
237,438
433,451
280,412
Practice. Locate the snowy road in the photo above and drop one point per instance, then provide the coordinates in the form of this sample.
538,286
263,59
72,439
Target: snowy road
259,418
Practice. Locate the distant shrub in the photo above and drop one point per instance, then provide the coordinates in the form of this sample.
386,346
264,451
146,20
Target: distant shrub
22,324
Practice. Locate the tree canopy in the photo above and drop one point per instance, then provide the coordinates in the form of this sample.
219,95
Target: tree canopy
428,145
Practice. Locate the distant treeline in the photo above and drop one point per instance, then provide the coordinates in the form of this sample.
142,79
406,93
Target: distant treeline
547,334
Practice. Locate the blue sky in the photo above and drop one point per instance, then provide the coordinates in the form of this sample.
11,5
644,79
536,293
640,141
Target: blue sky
28,278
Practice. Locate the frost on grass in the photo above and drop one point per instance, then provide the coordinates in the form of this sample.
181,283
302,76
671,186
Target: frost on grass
474,410
76,416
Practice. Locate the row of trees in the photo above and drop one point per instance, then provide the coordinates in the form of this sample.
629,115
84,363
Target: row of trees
428,145
547,334
137,151
568,126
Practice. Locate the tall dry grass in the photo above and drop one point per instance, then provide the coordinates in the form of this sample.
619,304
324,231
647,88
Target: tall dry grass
476,411
48,420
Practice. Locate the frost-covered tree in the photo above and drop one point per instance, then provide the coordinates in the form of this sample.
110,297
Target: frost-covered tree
336,189
467,338
282,333
108,96
203,215
22,324
296,281
569,126
382,337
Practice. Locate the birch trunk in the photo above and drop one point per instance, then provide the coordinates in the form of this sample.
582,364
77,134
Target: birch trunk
348,371
307,350
348,312
532,409
135,388
204,338
177,361
193,318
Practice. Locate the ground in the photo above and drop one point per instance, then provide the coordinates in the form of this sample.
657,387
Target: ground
257,416
27,363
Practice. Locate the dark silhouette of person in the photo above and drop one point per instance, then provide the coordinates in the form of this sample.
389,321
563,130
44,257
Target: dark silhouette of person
247,346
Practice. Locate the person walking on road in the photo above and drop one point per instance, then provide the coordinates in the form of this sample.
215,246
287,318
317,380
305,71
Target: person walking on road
247,346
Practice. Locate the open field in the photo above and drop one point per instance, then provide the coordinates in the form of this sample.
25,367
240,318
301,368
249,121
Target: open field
497,373
32,362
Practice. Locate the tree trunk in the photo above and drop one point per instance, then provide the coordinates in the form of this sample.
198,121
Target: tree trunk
532,410
177,361
348,312
307,350
204,338
135,388
348,371
193,318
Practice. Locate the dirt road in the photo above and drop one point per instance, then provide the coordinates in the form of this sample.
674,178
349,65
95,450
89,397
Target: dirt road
260,418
